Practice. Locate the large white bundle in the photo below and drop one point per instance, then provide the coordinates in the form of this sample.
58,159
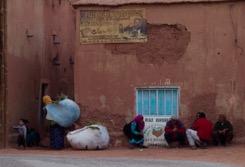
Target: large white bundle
89,137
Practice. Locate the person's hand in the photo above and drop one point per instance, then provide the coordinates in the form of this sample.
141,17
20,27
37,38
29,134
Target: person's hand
222,131
175,129
76,126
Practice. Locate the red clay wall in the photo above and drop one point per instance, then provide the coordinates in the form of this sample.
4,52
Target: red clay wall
60,21
198,47
23,60
30,55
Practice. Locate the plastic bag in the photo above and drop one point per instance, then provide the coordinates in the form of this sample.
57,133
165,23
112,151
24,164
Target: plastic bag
65,113
89,138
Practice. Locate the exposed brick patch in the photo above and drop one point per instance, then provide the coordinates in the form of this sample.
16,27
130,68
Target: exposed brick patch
112,121
165,43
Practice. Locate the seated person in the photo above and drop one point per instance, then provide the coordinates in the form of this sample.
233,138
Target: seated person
200,133
32,136
175,131
134,131
223,131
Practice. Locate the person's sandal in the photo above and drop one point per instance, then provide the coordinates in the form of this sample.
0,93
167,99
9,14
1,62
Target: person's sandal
193,147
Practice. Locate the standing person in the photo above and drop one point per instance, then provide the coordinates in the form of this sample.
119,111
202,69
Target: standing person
175,131
223,131
56,132
22,131
134,131
200,133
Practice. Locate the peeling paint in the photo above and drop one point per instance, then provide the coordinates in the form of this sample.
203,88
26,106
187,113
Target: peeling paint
166,43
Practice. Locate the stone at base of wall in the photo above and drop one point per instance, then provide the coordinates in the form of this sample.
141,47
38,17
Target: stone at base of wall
12,140
117,139
239,140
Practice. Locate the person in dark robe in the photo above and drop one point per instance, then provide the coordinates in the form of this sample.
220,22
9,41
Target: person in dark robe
175,132
223,131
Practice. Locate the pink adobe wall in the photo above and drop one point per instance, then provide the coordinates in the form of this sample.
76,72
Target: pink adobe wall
60,21
23,60
29,59
209,71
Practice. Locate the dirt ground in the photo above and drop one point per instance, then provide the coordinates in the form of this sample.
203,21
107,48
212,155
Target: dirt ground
232,155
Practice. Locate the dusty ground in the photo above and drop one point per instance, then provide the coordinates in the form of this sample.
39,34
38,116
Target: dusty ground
232,155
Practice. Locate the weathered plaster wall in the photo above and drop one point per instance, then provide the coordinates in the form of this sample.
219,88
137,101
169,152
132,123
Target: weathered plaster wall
126,2
3,72
30,54
198,47
60,24
24,17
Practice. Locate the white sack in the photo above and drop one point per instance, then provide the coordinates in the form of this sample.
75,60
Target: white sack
89,137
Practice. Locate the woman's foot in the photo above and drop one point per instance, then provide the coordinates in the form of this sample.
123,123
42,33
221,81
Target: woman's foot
142,146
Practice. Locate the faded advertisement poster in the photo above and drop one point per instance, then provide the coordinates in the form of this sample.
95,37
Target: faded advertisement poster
154,131
112,26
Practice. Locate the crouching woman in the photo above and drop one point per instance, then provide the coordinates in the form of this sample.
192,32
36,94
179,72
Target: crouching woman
134,132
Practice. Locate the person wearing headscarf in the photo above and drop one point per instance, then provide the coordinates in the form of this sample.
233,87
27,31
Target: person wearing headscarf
175,131
134,131
223,131
200,134
47,100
